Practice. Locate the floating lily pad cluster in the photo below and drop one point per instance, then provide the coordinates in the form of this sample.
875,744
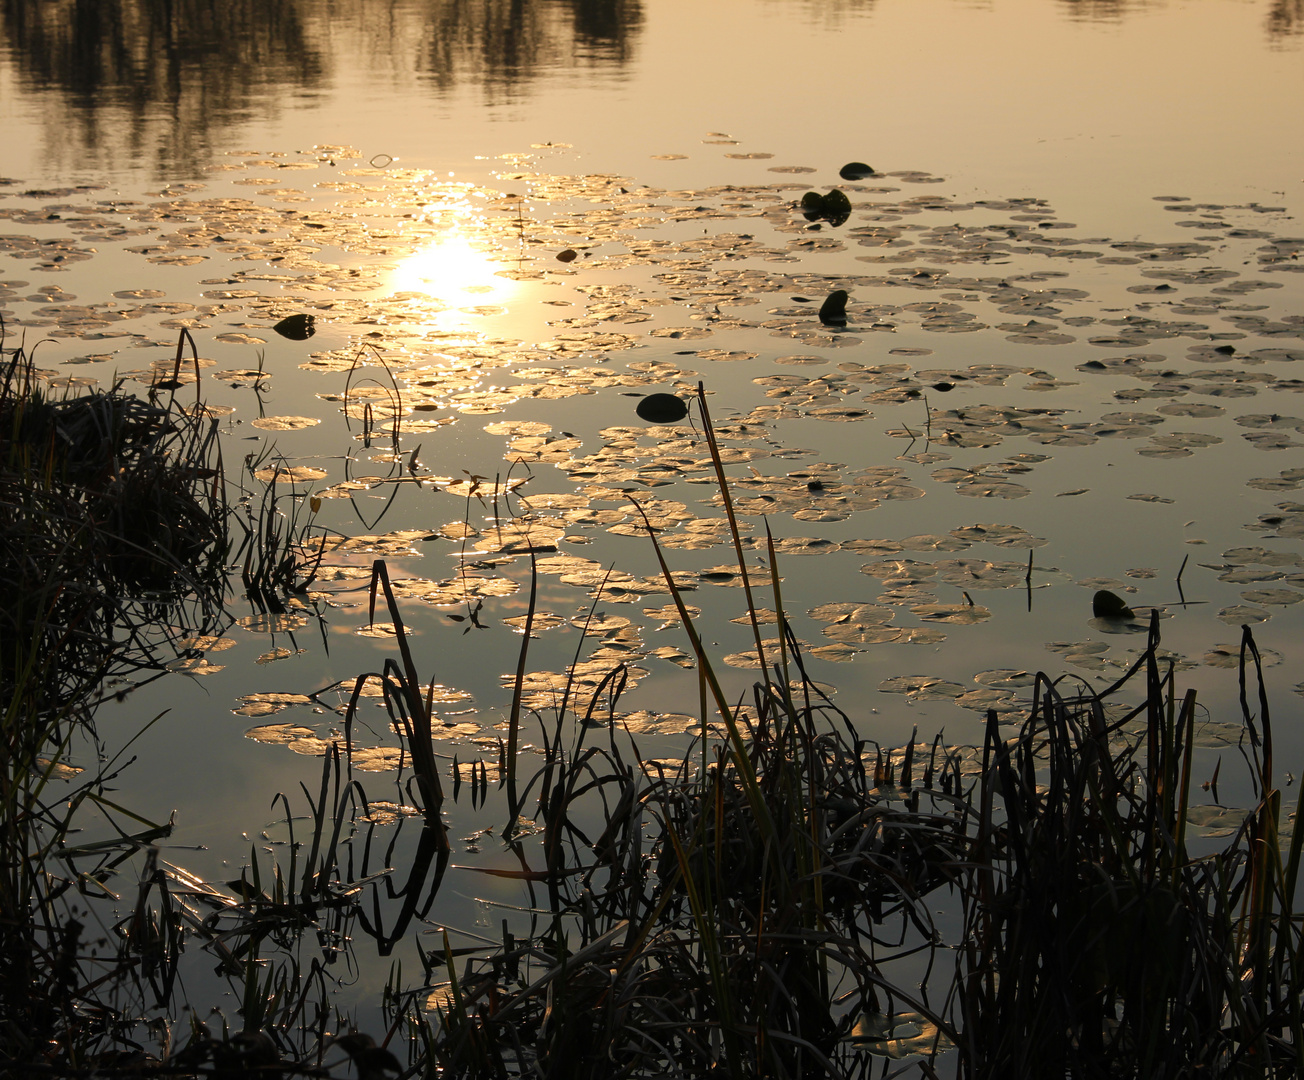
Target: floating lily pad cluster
982,343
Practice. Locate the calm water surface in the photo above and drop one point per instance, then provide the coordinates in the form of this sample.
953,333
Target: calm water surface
1076,207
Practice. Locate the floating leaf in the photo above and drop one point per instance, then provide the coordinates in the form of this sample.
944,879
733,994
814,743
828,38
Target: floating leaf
958,614
1240,614
296,327
1108,605
1282,597
272,655
1005,678
270,623
284,423
921,687
279,734
898,1036
284,474
208,643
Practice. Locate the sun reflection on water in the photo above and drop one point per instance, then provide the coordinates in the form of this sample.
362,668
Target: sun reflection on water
456,268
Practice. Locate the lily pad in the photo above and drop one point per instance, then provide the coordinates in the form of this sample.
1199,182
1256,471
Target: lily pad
959,614
1108,605
920,687
284,423
296,327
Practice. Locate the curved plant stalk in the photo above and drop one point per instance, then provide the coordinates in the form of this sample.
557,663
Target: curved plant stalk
733,520
419,711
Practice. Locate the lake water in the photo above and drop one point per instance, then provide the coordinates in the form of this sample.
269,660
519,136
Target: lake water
1074,330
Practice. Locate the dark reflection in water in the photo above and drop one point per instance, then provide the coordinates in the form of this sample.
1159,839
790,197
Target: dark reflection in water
503,43
161,82
829,12
156,79
1102,10
1286,18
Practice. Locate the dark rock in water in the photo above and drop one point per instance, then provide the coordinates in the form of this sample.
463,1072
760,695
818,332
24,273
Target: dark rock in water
836,204
1108,605
834,207
296,327
662,409
833,312
569,255
855,170
943,387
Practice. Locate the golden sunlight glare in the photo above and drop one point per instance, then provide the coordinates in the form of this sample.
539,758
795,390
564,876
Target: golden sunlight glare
453,270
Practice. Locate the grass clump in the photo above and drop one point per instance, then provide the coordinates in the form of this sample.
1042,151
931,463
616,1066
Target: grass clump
787,900
1097,941
113,533
112,550
790,900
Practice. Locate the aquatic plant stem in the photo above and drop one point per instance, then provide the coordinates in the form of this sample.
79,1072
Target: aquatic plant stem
746,770
514,719
727,499
423,754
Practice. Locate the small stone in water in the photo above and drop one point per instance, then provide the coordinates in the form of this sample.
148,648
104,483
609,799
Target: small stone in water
662,409
833,312
834,207
856,170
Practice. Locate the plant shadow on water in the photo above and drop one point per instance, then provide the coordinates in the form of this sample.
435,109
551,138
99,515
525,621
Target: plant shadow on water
763,906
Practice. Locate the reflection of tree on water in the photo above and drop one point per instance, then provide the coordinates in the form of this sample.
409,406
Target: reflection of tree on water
1286,17
160,80
503,43
1101,10
157,78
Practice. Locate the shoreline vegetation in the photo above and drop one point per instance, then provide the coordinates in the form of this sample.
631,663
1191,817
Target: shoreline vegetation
789,899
